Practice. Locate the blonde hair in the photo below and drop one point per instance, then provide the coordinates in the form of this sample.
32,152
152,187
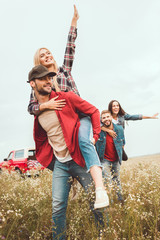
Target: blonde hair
37,58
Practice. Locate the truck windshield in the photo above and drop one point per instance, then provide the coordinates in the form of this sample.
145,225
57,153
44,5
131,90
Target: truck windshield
10,156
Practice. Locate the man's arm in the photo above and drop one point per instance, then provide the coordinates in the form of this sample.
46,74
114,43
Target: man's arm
83,106
112,133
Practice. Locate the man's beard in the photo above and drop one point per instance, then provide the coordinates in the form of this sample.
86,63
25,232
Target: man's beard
41,91
108,124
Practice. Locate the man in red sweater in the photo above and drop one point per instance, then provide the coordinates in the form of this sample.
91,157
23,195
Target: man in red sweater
56,138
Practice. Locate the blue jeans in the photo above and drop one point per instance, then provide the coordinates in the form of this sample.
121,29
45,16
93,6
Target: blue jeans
87,148
62,180
111,173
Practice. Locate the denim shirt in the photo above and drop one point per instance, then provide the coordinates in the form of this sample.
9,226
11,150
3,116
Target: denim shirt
119,142
121,119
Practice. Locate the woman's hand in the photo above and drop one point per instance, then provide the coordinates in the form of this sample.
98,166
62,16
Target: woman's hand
152,117
155,116
53,104
75,17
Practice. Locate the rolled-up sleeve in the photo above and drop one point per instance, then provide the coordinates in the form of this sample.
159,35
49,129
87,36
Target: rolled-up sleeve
33,107
133,117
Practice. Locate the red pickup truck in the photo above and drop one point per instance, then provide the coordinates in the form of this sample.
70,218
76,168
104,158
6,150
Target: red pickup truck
23,161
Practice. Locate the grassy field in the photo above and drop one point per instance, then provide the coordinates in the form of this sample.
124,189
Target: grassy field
25,206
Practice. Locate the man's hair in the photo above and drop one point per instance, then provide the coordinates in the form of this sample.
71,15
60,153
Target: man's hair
105,111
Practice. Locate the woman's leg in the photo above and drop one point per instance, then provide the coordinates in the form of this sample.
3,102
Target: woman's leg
92,161
86,146
96,173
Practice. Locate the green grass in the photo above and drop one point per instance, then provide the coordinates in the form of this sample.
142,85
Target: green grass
25,206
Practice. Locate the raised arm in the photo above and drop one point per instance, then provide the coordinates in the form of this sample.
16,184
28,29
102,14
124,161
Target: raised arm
70,48
75,17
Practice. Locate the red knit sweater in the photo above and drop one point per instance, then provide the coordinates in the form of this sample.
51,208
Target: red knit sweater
70,124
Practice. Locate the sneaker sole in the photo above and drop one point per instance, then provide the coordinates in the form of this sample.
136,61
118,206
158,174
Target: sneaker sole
101,205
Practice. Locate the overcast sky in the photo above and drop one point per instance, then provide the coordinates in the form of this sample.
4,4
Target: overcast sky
117,57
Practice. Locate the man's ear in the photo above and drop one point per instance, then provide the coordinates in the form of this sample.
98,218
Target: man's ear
32,84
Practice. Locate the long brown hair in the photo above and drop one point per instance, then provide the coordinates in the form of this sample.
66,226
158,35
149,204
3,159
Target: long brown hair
121,110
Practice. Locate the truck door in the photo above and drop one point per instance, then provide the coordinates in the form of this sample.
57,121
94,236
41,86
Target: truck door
19,160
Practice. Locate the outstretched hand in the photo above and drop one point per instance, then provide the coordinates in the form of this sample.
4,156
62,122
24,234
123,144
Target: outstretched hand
155,116
75,17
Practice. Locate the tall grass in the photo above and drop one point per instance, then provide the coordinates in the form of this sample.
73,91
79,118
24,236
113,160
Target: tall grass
25,206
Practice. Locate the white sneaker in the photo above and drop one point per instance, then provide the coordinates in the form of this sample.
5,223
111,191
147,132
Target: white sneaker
102,199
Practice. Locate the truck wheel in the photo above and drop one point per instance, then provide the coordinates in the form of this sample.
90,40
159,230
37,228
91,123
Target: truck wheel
18,171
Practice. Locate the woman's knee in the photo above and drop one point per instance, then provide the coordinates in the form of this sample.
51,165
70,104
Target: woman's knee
84,141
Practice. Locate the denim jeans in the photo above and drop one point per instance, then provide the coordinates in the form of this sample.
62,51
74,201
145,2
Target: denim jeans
87,148
111,174
62,180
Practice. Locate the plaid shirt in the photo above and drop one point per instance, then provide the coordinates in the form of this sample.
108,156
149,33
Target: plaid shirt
64,78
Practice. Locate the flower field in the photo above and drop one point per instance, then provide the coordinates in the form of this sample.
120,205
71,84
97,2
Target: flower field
25,206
